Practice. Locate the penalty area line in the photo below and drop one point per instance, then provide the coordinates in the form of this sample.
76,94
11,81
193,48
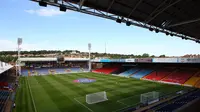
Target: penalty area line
83,105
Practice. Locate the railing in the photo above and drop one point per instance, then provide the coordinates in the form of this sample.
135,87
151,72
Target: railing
165,96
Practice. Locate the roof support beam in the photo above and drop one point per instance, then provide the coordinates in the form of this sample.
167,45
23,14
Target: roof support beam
81,3
162,10
184,22
110,5
156,10
138,3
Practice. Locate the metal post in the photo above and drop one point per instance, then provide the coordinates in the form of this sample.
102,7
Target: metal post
19,42
89,63
19,67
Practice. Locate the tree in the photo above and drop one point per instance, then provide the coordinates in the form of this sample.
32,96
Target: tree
162,56
145,55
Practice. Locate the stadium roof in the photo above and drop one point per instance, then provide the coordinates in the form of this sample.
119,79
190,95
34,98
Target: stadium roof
174,17
4,67
51,59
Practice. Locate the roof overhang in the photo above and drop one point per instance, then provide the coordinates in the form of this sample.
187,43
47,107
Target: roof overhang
179,18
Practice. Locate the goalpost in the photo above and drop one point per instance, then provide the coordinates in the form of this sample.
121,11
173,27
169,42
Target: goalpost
96,97
149,98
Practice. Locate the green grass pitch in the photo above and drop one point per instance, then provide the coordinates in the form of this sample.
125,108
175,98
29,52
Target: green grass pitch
58,93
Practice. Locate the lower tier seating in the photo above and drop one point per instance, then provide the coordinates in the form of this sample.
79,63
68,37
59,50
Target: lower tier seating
197,84
106,70
193,80
142,73
180,76
3,97
120,70
159,74
129,72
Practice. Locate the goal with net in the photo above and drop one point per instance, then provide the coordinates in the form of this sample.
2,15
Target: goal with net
96,97
149,98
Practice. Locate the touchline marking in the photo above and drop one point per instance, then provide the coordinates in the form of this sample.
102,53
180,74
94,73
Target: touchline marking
84,105
122,103
31,95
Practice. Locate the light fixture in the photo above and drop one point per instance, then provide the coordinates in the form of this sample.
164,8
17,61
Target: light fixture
167,33
156,30
42,3
119,20
128,23
63,8
150,29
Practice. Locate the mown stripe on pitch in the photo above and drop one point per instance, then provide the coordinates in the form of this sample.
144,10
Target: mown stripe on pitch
63,103
100,87
26,97
40,95
71,96
19,100
72,87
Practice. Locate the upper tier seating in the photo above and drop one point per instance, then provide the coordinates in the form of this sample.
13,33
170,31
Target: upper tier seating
193,80
159,74
142,73
129,72
106,70
180,76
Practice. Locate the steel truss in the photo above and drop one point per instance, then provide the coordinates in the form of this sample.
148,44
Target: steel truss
79,7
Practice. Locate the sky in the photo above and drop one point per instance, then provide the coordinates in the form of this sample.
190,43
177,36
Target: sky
46,28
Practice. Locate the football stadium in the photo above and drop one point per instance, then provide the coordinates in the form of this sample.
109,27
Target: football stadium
59,83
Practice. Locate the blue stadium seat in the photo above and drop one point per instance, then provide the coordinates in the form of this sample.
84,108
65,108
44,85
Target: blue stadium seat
142,73
129,72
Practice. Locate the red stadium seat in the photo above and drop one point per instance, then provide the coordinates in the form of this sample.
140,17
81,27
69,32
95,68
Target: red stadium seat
159,74
179,77
106,70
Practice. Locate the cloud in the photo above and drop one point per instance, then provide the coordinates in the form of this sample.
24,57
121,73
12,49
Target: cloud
48,12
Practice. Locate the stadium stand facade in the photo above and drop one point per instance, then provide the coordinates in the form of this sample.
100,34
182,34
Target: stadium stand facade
42,66
7,79
179,71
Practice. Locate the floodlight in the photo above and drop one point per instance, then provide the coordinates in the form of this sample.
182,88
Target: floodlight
128,23
119,20
150,29
42,3
156,30
167,33
63,8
